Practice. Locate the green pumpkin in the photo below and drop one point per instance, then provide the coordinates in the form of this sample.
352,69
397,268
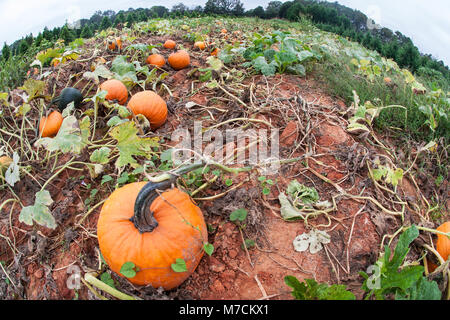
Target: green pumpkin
68,95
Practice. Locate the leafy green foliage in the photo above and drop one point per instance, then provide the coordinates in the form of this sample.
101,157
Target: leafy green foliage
130,145
311,290
278,52
393,277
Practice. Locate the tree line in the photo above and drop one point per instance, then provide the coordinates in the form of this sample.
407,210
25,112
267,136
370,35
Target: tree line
327,16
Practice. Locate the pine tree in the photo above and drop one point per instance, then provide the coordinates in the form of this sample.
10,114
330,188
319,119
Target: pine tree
6,52
87,33
106,23
66,34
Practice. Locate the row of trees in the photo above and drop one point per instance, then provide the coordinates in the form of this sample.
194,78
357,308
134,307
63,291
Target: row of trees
328,16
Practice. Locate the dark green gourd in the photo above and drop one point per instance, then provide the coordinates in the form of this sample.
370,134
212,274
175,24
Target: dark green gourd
68,95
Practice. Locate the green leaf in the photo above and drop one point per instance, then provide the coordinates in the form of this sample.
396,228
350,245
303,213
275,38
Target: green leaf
228,182
39,212
402,248
239,214
130,145
215,63
179,265
311,290
128,269
33,88
209,248
260,64
301,193
85,125
106,278
106,178
422,290
101,155
248,243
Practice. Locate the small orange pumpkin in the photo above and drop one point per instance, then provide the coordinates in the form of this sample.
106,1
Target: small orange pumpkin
215,52
136,225
151,105
119,43
443,242
156,60
116,90
169,44
49,126
111,45
179,60
200,45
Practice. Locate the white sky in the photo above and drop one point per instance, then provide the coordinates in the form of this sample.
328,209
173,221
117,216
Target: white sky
426,22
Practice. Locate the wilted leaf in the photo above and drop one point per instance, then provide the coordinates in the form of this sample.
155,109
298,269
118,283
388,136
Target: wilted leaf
12,174
39,212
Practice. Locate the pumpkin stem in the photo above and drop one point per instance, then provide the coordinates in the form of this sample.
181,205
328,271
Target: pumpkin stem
143,218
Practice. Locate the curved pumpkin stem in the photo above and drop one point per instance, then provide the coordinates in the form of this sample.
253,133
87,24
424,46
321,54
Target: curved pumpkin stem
143,218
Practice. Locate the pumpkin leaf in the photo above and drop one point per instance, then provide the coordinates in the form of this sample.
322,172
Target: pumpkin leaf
129,269
39,212
179,265
239,214
12,174
33,88
101,155
130,145
311,290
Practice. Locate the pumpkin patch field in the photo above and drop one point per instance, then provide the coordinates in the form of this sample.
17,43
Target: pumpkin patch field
319,195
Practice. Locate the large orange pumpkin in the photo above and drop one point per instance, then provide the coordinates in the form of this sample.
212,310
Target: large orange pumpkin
156,60
49,126
179,60
151,105
136,225
116,90
169,44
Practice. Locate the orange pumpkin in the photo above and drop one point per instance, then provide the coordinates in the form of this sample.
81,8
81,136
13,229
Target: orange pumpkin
200,45
443,242
111,45
49,126
442,245
151,105
215,52
136,225
179,60
116,90
156,60
119,43
169,44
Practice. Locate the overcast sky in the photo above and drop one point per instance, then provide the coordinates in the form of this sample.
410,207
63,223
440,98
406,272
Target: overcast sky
426,22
